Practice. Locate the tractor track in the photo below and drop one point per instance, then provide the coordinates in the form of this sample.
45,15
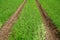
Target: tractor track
52,32
6,27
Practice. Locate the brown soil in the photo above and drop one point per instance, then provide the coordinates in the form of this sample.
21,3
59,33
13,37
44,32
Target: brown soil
52,31
6,28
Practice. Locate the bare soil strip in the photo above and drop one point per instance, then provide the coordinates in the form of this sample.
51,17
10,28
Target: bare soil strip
6,28
52,31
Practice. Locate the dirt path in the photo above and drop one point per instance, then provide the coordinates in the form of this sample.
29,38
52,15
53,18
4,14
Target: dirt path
6,28
52,31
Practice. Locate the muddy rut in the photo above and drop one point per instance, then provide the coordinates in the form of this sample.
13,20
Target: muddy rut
52,32
6,28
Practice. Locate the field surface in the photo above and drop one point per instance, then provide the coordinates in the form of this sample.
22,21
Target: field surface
29,25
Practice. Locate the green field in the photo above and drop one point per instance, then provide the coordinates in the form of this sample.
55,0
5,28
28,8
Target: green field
29,25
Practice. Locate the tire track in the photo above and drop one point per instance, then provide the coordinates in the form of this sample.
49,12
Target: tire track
52,31
6,28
